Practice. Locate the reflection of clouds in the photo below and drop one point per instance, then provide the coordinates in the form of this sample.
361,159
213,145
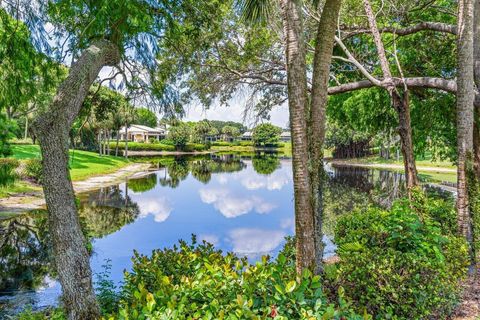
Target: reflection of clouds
222,179
232,206
275,181
160,208
210,238
251,241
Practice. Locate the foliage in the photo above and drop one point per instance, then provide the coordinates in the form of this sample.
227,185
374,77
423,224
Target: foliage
33,170
230,131
7,129
146,117
404,263
195,281
201,129
7,171
265,164
49,314
143,184
180,135
107,294
266,134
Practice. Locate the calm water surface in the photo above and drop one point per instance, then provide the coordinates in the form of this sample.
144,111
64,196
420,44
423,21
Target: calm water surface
239,204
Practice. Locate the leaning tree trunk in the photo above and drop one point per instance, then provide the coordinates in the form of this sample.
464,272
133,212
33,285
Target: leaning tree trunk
52,129
401,105
399,101
321,68
465,113
297,100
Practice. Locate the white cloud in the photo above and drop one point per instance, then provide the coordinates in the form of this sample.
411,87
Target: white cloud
276,181
232,206
160,208
288,223
251,241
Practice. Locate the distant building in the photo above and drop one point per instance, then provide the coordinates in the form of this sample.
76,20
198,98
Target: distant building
286,136
139,133
247,136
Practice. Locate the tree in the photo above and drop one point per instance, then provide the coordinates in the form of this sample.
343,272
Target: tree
465,113
180,135
146,117
202,129
230,132
266,134
98,34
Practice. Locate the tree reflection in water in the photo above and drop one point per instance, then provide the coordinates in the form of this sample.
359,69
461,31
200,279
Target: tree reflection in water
24,252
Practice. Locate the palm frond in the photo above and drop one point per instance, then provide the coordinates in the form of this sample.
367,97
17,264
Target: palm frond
255,11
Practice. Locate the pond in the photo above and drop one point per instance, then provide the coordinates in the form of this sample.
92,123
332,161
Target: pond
238,203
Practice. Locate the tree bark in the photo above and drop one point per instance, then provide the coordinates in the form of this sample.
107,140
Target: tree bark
402,106
297,100
319,97
52,129
116,145
465,112
400,102
126,141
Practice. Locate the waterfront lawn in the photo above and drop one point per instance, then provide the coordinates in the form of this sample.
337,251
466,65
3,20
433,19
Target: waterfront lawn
83,164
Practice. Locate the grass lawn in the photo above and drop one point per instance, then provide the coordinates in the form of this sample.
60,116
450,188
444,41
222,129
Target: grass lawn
83,164
18,187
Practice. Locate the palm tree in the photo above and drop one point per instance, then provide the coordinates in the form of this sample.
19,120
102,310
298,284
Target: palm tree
307,141
465,114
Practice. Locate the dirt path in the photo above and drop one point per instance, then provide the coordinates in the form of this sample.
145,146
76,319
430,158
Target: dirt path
469,308
34,200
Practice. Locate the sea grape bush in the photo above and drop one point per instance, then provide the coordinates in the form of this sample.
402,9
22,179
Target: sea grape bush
404,263
195,281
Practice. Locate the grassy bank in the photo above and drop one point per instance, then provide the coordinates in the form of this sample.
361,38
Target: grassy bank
247,146
83,164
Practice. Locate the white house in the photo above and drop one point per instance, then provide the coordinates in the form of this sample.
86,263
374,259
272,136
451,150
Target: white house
247,136
139,133
285,136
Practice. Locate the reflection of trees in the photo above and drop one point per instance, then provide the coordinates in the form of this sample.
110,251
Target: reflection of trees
177,171
265,163
389,186
107,211
143,184
202,169
24,252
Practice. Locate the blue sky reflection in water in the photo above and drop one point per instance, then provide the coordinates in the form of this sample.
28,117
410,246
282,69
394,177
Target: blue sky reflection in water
238,204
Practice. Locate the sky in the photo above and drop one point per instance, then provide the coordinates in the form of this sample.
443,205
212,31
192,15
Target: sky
278,116
234,112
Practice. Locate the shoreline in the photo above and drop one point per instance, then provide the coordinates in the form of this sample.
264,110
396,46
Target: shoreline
23,202
340,162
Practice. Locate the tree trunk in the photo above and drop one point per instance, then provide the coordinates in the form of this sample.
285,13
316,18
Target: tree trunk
465,112
297,100
402,106
126,141
26,127
116,145
52,129
321,72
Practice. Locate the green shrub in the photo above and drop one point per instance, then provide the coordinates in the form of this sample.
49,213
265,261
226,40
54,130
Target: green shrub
195,281
404,263
48,314
33,170
189,147
219,143
7,171
246,143
136,146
